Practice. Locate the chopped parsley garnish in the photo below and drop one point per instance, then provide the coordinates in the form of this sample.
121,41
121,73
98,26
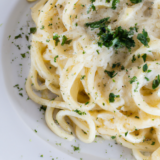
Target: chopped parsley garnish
136,117
82,77
27,38
133,79
133,28
56,121
149,71
76,148
97,51
35,130
156,82
79,112
41,156
110,73
151,130
98,24
23,55
42,108
126,133
116,65
65,40
122,68
112,97
50,24
145,67
21,94
136,1
143,38
56,38
135,90
33,30
146,78
91,7
118,38
113,137
144,57
114,3
42,27
55,58
87,103
48,40
153,143
18,36
17,86
133,58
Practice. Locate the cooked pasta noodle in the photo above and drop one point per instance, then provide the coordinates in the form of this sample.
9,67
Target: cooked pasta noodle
102,61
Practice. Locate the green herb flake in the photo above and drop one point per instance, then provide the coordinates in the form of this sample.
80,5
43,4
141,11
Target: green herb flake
65,40
33,30
97,51
87,103
91,7
35,130
79,112
56,38
146,78
23,55
76,148
137,117
114,65
149,71
136,1
27,38
143,38
42,108
112,97
98,24
17,86
18,36
83,76
114,4
113,137
55,58
126,133
122,68
133,79
29,47
42,27
110,73
133,59
21,94
153,143
144,57
145,67
156,82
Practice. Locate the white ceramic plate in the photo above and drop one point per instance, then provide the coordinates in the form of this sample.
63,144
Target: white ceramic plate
17,20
